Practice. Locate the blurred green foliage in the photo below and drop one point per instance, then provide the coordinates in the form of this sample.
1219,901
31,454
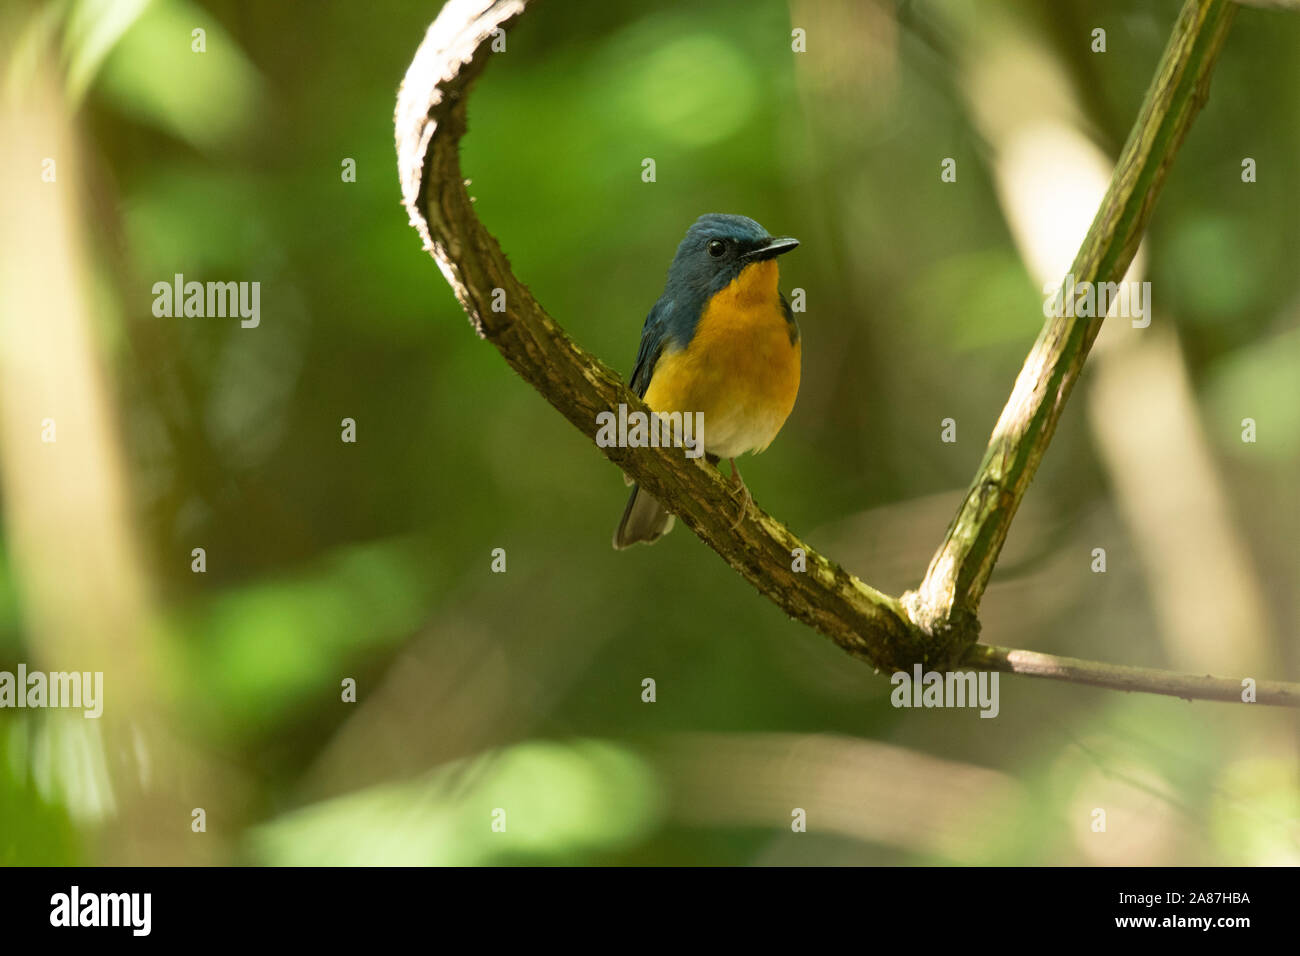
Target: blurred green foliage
328,560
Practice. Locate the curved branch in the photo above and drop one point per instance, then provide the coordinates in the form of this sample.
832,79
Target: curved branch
430,121
939,627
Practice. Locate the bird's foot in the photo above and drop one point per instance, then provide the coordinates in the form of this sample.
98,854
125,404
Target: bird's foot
741,492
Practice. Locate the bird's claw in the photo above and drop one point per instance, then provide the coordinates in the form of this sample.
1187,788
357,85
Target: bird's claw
741,491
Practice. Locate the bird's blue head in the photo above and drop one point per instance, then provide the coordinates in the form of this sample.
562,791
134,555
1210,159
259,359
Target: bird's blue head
717,248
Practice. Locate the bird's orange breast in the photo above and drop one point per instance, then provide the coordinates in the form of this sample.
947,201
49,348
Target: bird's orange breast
741,368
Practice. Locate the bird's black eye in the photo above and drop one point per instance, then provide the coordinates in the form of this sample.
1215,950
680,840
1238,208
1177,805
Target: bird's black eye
716,248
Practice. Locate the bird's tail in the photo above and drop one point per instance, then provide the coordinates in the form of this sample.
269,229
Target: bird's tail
644,519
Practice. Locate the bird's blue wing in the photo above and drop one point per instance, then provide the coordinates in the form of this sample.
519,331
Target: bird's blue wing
654,336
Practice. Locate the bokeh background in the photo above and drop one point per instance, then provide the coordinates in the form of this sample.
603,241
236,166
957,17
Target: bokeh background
522,691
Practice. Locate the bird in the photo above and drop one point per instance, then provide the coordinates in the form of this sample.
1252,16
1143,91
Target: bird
721,340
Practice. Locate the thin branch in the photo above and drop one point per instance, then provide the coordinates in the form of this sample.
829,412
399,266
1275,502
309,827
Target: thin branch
868,624
960,569
1148,680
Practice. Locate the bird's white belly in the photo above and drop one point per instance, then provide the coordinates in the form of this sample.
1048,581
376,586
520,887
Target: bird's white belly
731,432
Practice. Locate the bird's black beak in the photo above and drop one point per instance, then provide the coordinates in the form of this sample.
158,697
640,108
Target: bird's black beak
770,249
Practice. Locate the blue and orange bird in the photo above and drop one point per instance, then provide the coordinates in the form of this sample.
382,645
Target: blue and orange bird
721,340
